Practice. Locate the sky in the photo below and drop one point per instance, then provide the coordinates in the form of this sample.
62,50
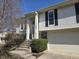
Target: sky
28,6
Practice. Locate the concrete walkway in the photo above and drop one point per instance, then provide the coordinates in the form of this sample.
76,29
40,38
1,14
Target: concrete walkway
23,54
46,55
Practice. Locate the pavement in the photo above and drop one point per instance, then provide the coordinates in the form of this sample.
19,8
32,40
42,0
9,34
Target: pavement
45,55
49,55
24,54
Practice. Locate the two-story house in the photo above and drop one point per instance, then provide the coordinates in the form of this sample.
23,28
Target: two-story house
59,24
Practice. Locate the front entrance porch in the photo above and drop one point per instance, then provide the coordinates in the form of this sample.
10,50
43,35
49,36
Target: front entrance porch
32,31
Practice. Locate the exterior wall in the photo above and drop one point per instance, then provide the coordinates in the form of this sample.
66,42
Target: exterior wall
66,19
66,16
42,21
17,30
64,41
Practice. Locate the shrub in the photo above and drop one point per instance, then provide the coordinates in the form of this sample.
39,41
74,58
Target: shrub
13,40
38,45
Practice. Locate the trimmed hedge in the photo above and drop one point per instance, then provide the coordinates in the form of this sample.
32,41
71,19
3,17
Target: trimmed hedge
39,45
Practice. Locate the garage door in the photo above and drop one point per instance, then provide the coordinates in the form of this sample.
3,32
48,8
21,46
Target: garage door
64,40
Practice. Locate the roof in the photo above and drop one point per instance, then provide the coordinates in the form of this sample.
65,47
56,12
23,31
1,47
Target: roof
58,5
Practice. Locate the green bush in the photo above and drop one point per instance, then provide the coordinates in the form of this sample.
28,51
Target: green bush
38,45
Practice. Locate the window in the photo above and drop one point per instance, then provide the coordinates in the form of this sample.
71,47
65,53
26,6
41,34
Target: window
50,17
21,26
43,35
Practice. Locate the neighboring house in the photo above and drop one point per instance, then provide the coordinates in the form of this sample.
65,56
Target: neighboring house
20,24
17,25
20,28
59,24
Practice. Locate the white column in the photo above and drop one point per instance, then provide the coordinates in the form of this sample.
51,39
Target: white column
27,30
36,32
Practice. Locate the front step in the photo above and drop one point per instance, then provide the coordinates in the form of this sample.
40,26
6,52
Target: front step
25,46
24,50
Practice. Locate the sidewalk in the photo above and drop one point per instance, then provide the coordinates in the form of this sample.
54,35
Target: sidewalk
49,55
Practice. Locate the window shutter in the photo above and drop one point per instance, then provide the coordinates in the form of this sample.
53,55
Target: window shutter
46,19
77,12
56,17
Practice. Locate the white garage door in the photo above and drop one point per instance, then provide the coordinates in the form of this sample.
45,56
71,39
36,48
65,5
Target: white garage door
64,40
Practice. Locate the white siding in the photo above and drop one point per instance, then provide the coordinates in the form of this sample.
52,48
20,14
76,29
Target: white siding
66,19
42,20
64,41
66,16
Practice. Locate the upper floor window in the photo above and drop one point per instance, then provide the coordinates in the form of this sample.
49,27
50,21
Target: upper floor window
51,17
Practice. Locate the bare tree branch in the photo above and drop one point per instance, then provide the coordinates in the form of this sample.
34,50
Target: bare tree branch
8,12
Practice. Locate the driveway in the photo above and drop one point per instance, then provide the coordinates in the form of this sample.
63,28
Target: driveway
49,55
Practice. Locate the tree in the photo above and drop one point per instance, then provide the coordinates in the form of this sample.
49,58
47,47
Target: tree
9,9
